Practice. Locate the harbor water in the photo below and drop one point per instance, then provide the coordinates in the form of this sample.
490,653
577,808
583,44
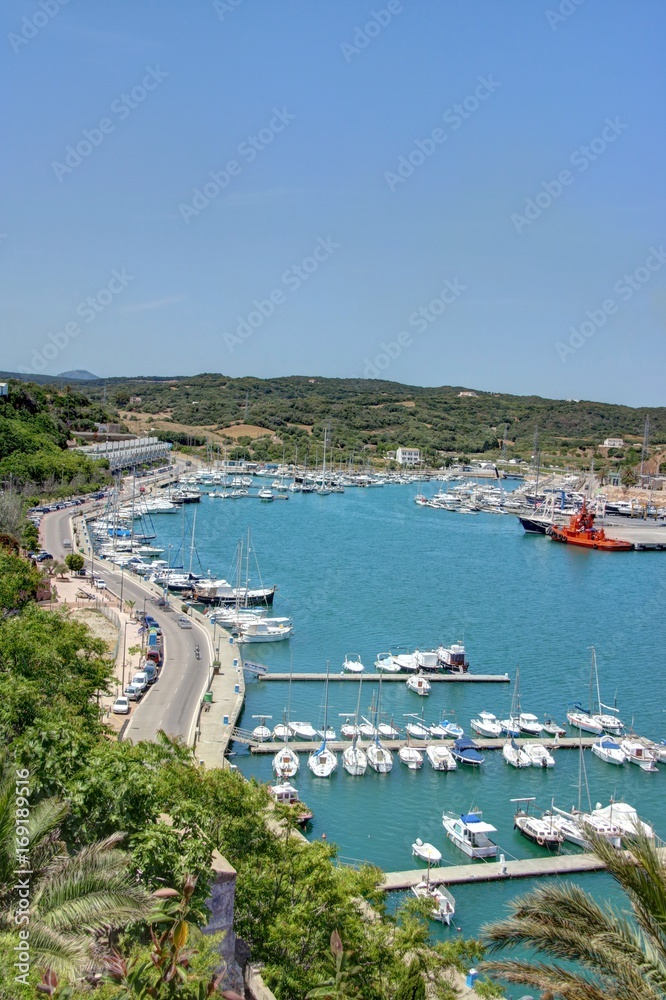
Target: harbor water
367,571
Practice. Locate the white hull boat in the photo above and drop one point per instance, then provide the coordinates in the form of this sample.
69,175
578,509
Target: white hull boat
303,730
608,750
388,731
567,827
625,818
379,758
411,757
441,758
417,730
529,724
426,852
322,762
286,763
349,730
281,732
469,833
551,727
487,725
352,664
386,664
264,631
538,755
418,684
639,754
445,730
586,723
539,830
327,734
515,755
354,760
261,733
444,905
367,729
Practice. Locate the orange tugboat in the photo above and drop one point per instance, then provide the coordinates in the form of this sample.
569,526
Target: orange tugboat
581,531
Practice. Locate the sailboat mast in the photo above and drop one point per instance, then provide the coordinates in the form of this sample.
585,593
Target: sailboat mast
194,524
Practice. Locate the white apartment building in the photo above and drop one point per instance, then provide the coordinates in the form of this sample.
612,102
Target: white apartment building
408,456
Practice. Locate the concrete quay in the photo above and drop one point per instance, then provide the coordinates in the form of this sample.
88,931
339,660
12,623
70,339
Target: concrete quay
388,678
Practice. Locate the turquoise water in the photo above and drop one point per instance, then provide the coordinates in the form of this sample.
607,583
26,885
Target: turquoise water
368,570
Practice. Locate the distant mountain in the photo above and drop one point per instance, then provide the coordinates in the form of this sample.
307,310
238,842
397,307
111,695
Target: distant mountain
80,375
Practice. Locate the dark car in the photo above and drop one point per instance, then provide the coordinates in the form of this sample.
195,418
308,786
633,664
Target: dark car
43,556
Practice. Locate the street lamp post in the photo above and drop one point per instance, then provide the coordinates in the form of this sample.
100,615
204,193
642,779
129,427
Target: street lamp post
124,654
122,583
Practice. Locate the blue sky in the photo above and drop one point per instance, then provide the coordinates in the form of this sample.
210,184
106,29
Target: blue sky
425,191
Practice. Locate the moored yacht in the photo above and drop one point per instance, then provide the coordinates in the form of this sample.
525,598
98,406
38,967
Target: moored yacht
538,755
411,757
469,833
419,684
453,658
486,725
609,750
440,758
379,758
639,754
515,755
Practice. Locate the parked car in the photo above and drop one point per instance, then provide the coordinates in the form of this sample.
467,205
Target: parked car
184,622
150,670
133,693
100,584
140,680
121,706
43,555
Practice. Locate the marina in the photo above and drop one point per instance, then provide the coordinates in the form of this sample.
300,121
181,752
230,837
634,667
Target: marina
493,871
480,581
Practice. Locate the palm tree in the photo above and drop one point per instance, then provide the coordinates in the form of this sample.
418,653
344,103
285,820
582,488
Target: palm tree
607,955
73,898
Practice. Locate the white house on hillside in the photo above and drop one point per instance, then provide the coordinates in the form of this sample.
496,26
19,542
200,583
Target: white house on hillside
408,456
613,443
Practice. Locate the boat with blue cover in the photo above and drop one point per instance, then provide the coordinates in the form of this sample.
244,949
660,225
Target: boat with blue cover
467,752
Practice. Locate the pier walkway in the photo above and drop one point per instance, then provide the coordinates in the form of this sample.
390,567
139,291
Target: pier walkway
433,678
492,871
304,746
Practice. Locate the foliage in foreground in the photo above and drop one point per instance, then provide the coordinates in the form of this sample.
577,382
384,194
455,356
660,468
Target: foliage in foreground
604,955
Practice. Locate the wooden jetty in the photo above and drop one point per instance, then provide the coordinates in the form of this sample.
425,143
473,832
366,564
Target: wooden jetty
433,678
304,746
493,871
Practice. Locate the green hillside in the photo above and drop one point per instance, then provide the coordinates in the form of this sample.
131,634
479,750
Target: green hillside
378,416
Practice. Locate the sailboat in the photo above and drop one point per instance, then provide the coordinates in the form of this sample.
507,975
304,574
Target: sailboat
584,718
576,825
511,726
323,490
286,762
354,759
323,762
379,758
608,719
261,732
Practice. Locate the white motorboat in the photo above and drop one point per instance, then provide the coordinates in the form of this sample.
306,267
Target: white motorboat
411,757
426,852
444,905
469,833
354,760
323,762
419,684
264,630
285,794
266,495
379,758
539,829
386,664
261,732
487,725
286,763
407,662
624,817
281,731
608,749
350,729
551,727
600,826
441,758
538,755
417,729
428,659
445,730
529,724
515,755
302,730
352,664
453,658
639,754
327,734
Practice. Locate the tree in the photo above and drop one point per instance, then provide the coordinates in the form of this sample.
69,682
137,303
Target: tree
19,581
605,956
412,985
74,562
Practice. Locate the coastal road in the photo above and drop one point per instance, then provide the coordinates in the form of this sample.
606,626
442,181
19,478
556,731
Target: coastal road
172,703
